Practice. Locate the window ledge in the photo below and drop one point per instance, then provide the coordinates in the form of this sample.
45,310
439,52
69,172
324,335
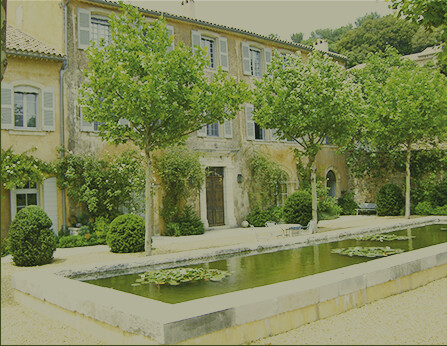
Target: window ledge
27,133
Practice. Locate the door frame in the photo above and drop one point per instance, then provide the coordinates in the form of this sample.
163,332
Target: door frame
228,190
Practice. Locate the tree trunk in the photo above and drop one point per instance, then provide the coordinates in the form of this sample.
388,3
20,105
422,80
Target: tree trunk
148,207
313,179
407,185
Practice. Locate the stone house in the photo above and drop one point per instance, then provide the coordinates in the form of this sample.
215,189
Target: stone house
224,148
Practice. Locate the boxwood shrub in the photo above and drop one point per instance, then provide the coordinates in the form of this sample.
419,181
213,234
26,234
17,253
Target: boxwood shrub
31,242
126,234
390,200
298,208
258,217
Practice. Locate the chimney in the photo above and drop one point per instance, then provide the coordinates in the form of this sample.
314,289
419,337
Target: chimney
322,45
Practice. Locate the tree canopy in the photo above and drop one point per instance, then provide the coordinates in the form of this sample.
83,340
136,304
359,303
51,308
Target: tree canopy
144,90
307,102
406,106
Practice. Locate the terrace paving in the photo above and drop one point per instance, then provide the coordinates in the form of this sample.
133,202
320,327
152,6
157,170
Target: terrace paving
369,324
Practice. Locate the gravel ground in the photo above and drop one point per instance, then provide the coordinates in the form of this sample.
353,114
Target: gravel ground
415,317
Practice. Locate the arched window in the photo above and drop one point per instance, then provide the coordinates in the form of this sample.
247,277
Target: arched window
331,183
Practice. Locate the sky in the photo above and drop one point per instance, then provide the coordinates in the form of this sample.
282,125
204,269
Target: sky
268,16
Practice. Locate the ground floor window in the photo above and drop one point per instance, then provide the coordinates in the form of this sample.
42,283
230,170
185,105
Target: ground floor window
23,197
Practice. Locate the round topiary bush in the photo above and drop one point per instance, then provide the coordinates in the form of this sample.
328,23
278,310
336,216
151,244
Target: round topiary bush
31,242
390,200
126,234
298,208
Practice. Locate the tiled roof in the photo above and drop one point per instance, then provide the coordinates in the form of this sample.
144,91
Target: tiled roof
19,42
222,27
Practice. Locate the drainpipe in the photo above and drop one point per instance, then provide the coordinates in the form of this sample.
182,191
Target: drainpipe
61,102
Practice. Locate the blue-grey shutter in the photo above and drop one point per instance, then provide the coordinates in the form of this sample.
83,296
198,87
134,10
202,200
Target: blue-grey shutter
50,201
223,50
48,120
250,124
7,107
228,128
268,57
246,58
83,28
171,33
85,125
195,40
202,132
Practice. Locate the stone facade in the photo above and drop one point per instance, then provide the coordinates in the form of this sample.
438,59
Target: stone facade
224,146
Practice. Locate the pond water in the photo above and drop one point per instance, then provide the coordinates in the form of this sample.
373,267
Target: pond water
248,270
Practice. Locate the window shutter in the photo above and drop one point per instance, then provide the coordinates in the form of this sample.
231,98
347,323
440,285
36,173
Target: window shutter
50,201
7,107
85,125
223,50
123,121
171,33
250,124
195,40
48,121
267,56
273,134
202,132
228,128
245,58
83,28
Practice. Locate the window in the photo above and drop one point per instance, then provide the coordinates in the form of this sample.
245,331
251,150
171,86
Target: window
209,44
259,132
255,62
100,28
213,130
216,47
26,107
252,61
26,196
254,131
89,126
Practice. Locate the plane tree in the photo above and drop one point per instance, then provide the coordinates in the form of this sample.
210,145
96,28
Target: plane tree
308,102
143,90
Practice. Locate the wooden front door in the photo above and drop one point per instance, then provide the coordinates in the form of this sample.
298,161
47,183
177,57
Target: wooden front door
214,196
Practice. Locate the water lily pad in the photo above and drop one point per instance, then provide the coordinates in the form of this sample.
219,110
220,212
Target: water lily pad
382,237
176,276
367,251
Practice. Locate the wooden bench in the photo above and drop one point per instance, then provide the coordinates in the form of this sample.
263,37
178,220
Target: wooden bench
366,207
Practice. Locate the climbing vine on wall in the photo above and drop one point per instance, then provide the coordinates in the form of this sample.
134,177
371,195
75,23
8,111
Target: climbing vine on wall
267,177
181,175
20,169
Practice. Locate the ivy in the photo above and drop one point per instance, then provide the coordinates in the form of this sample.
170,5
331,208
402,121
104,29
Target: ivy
102,185
182,177
267,176
20,169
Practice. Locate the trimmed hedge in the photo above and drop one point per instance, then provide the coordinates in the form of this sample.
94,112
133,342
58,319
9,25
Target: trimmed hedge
31,242
347,203
390,200
126,234
258,217
298,208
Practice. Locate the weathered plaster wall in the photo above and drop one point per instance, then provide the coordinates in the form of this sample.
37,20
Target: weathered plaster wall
38,73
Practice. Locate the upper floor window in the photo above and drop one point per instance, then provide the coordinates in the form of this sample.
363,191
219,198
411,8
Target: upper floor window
209,44
100,28
215,130
212,130
27,107
216,49
254,131
252,62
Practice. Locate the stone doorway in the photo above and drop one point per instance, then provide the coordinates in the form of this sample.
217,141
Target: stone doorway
215,196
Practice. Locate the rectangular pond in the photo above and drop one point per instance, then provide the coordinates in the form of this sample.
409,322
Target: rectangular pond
254,270
271,296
